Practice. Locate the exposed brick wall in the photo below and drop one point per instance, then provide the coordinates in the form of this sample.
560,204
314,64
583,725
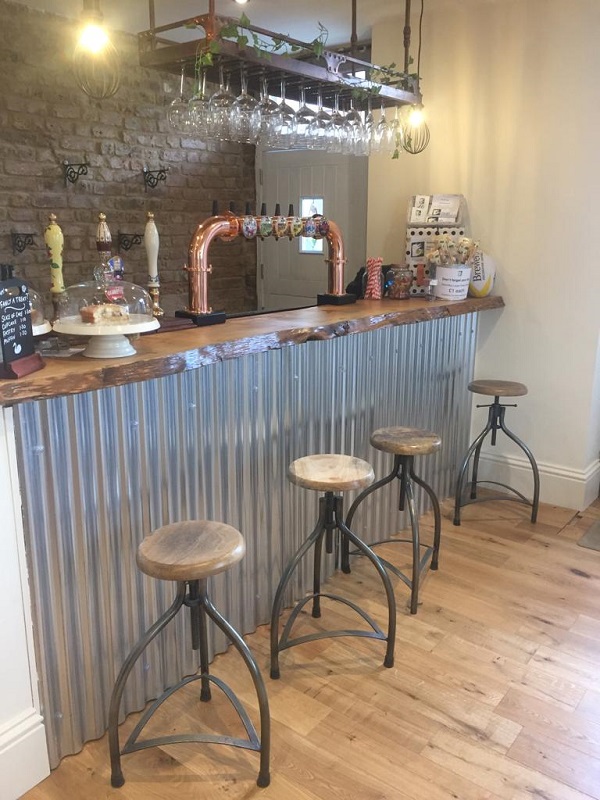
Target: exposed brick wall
46,119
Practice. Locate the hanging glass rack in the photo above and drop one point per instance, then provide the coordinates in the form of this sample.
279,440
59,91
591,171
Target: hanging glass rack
334,71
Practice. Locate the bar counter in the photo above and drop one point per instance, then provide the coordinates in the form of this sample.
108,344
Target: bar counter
161,354
200,423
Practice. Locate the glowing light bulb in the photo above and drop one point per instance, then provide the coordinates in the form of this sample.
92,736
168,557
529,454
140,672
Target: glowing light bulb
93,38
241,2
416,117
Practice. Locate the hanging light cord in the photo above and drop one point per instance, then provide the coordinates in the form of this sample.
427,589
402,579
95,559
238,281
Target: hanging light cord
419,48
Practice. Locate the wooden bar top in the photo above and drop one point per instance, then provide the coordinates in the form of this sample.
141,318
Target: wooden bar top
163,353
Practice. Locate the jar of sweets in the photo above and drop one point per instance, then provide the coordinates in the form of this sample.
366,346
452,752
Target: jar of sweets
400,280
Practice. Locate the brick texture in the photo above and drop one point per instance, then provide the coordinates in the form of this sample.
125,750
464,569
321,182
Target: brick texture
45,119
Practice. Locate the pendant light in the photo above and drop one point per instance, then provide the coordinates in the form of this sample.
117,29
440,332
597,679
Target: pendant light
95,59
415,135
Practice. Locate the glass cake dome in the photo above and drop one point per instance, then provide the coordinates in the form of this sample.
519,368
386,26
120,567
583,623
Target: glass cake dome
107,310
39,323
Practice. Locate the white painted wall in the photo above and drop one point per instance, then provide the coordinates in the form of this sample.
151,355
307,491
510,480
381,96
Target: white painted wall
23,752
511,92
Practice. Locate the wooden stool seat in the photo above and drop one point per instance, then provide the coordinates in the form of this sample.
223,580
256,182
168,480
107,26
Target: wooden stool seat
189,551
329,472
406,441
498,388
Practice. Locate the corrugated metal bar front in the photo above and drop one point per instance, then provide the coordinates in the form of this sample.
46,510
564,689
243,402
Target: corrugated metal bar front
100,470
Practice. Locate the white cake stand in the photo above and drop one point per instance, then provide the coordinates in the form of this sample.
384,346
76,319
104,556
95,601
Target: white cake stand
109,340
43,327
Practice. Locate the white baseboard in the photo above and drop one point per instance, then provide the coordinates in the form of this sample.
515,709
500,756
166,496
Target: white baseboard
559,486
23,754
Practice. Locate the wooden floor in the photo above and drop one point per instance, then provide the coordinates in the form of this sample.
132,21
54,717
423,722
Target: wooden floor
495,692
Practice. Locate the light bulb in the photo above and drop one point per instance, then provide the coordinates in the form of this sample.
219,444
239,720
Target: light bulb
416,117
93,38
241,2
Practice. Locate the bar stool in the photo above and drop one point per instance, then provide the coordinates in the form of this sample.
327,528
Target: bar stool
189,553
405,444
495,422
331,474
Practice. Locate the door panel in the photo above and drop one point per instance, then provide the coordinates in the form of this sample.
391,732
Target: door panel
288,278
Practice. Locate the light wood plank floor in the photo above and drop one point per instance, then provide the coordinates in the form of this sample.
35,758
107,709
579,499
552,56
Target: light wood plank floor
495,693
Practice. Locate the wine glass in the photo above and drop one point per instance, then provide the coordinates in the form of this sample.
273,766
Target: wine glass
285,125
199,109
244,117
380,134
219,107
318,131
268,114
337,130
355,132
177,114
304,118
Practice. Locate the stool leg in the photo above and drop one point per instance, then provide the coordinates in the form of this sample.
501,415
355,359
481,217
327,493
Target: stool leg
437,516
285,579
463,468
240,645
316,603
117,778
416,544
385,578
200,638
357,501
534,467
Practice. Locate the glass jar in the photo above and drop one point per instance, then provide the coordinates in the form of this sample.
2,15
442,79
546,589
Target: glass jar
400,281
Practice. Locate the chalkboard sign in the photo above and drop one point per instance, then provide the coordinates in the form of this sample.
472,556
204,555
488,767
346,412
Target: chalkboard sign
16,337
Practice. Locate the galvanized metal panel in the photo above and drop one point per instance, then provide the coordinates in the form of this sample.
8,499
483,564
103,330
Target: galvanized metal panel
100,470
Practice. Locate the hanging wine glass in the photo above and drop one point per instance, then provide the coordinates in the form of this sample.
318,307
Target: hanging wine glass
394,133
268,114
304,119
199,109
219,107
244,117
285,128
355,132
380,135
337,132
177,114
317,134
369,127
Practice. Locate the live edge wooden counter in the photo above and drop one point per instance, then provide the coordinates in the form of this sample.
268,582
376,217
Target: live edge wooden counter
167,353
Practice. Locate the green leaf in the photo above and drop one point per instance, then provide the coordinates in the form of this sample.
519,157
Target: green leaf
244,21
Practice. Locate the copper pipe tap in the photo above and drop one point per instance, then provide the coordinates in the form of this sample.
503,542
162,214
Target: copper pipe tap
198,267
336,259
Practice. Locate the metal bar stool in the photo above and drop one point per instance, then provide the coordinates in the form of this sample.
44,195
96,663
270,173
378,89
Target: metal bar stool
495,422
405,444
329,473
189,553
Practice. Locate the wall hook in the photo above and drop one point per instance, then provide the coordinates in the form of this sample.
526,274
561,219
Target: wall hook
73,172
125,241
152,177
20,241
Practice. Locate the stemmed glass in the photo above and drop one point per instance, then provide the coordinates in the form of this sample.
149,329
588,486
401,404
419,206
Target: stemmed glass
178,110
355,132
337,130
268,114
394,133
380,134
219,110
244,116
199,109
285,126
304,119
317,134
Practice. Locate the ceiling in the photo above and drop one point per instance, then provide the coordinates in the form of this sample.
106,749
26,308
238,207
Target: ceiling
296,18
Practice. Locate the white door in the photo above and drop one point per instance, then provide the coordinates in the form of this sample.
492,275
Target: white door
287,277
